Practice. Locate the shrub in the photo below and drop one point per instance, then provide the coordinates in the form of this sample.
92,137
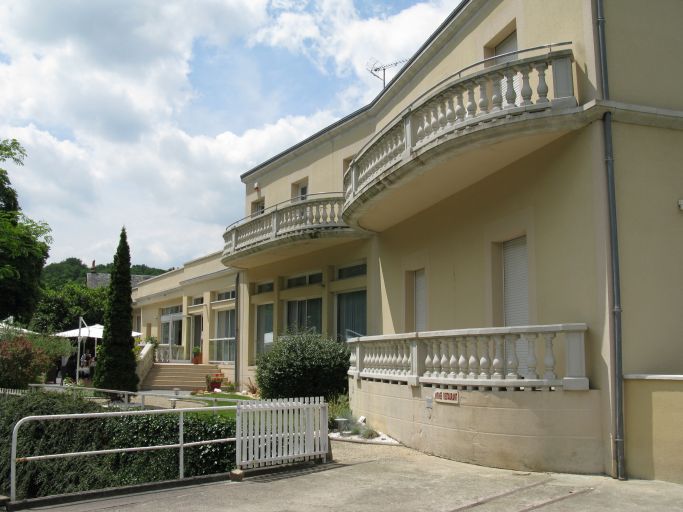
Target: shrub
338,407
52,476
213,381
41,478
303,364
20,362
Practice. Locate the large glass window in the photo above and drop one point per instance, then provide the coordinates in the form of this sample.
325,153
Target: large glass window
305,314
264,328
172,325
222,346
197,326
351,314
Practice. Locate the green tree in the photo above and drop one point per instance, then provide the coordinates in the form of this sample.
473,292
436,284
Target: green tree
71,270
115,360
59,309
24,245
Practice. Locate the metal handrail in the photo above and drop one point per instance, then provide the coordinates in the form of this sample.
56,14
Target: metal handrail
293,201
181,444
128,394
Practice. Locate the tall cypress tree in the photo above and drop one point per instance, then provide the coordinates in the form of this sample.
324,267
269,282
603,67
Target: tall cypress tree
116,361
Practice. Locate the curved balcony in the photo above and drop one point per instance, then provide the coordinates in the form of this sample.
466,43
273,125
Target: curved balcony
484,104
286,229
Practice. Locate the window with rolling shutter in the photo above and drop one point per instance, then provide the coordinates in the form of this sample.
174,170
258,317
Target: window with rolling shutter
516,293
420,300
507,45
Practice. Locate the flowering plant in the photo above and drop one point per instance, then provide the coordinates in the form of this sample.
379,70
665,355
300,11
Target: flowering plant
213,381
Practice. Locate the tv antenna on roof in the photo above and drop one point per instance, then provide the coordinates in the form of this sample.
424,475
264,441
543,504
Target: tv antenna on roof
374,67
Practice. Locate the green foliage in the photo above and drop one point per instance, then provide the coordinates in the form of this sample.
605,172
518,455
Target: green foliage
213,381
60,476
20,362
69,271
24,245
303,364
9,150
24,356
59,309
338,407
116,363
73,270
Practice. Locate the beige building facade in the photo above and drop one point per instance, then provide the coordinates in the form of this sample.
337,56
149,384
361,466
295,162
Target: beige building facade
497,236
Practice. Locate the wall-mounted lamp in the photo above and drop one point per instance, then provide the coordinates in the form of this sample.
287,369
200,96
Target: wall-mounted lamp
680,204
256,187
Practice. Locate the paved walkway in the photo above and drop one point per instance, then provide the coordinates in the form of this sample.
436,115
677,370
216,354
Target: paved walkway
394,479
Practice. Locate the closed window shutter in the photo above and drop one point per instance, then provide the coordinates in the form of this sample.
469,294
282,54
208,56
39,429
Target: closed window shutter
420,300
516,293
515,279
507,45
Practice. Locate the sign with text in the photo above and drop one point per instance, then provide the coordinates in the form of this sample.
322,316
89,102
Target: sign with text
447,397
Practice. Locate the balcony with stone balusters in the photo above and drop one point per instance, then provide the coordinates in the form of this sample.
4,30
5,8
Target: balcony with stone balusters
537,357
286,229
440,144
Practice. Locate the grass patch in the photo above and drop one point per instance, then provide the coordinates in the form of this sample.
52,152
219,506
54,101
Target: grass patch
222,399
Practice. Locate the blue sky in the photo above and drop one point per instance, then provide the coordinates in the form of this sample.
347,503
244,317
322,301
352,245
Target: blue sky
144,113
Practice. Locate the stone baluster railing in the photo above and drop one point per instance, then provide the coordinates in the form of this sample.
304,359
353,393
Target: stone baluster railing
298,216
477,359
460,103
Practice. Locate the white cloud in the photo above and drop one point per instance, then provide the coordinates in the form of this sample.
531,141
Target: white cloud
96,92
333,36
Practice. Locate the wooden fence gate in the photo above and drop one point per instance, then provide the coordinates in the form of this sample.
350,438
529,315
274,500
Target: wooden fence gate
281,431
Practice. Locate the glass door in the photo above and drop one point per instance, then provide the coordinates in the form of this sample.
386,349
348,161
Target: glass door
351,315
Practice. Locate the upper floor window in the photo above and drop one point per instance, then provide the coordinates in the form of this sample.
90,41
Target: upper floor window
225,295
300,190
171,310
507,45
258,207
265,287
303,280
352,271
196,301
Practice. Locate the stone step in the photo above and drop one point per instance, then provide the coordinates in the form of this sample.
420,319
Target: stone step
167,376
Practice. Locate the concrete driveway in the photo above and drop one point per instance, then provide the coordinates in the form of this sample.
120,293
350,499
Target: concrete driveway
394,478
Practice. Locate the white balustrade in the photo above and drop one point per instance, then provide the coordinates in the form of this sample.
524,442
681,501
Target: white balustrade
461,103
297,216
487,359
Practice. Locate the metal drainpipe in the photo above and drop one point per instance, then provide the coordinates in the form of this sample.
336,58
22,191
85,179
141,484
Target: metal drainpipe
618,381
237,331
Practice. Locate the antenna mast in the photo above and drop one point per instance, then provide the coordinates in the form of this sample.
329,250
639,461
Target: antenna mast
375,67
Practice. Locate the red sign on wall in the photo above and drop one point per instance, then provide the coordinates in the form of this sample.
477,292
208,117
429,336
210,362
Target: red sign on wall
447,397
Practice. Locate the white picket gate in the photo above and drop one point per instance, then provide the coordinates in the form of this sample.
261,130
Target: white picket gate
281,431
15,392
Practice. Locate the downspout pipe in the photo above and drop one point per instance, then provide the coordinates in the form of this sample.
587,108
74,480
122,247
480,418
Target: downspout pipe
618,377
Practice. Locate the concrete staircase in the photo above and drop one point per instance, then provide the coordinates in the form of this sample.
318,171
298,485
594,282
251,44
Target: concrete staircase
182,376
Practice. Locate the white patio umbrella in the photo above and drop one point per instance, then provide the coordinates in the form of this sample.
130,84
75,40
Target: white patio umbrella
92,331
83,332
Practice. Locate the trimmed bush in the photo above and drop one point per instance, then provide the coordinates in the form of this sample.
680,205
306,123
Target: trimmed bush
303,364
42,478
20,362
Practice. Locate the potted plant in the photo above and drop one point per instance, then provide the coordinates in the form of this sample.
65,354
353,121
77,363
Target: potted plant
196,355
214,381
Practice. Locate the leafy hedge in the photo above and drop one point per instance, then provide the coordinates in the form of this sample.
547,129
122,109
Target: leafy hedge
303,364
59,476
